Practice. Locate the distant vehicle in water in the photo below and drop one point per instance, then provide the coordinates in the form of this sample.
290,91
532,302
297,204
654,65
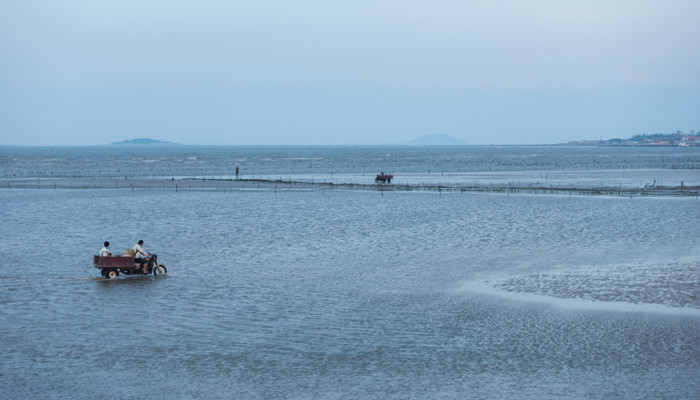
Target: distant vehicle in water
111,266
384,178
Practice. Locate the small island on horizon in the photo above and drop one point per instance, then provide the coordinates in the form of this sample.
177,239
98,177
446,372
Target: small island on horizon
434,139
679,139
142,141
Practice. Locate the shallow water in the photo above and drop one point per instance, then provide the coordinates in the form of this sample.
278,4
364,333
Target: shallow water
328,162
336,295
350,294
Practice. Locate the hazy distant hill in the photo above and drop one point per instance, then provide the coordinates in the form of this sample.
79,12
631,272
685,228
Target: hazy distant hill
436,139
141,141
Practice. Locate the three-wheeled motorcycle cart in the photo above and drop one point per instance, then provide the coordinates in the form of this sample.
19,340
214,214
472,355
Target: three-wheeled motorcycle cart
112,266
384,178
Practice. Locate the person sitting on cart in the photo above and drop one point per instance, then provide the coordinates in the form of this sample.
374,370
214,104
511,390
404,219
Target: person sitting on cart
138,251
105,250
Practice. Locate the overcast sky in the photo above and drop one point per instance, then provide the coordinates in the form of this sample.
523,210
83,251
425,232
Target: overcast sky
346,72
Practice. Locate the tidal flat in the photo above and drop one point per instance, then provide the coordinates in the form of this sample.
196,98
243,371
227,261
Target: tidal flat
309,291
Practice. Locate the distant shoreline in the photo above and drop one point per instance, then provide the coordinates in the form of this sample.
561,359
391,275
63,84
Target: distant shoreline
623,145
180,146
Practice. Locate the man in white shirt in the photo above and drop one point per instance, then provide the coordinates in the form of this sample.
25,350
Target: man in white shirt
138,252
105,250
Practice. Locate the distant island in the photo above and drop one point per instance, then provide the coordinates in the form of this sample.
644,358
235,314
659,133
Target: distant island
142,141
678,139
427,140
433,139
436,139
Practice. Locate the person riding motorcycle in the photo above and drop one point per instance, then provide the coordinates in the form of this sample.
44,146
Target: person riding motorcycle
138,252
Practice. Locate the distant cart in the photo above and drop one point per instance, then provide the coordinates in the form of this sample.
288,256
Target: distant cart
384,178
112,266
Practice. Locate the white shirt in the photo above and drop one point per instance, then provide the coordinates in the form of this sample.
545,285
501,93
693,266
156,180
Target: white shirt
137,250
105,252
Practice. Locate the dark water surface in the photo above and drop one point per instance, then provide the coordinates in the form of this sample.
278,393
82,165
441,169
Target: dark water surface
350,294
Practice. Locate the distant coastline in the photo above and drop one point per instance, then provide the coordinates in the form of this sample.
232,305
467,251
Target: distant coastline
677,139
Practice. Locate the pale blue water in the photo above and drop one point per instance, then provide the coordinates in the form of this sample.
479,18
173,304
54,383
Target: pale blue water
350,294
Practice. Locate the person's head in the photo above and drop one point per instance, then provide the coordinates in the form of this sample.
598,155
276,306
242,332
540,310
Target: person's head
140,242
106,244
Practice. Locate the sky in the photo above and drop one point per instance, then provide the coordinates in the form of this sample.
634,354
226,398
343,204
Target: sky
273,72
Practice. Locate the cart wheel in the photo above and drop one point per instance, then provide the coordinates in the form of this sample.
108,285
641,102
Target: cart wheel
112,273
103,272
160,270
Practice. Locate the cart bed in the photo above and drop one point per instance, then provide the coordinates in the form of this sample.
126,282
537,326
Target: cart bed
115,262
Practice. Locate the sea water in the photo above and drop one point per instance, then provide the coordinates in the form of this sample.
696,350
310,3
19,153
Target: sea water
349,293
